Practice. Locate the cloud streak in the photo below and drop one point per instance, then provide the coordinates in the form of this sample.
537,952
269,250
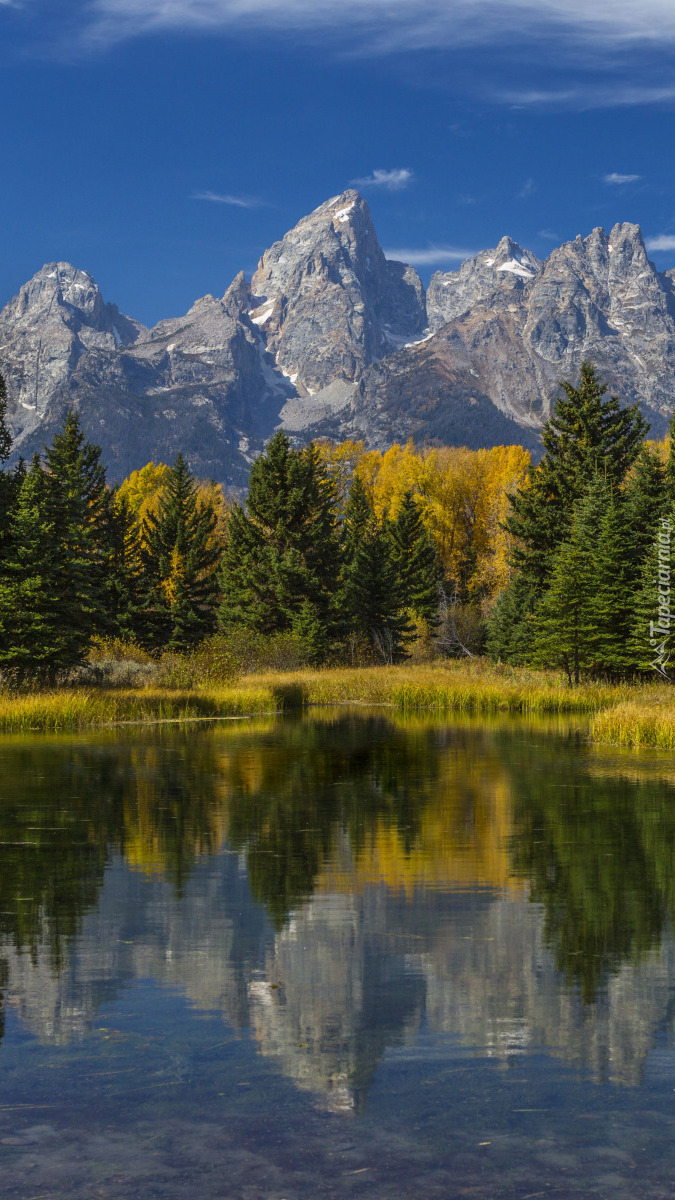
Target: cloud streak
619,179
394,24
429,255
236,201
617,95
662,241
391,181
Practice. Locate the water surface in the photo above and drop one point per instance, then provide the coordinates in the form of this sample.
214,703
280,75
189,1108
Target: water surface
341,955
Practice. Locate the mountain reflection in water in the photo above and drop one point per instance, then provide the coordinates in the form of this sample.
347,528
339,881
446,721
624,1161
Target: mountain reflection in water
340,882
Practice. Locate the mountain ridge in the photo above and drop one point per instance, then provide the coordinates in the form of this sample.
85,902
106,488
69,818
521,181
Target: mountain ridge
331,338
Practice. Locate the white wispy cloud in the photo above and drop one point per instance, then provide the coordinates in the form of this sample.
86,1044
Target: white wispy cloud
224,198
662,241
429,255
616,177
396,24
393,181
527,189
591,96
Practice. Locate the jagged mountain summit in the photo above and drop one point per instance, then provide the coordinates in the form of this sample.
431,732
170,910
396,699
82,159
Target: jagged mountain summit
331,338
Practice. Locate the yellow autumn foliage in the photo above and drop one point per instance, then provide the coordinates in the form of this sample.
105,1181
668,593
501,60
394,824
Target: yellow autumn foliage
462,496
143,489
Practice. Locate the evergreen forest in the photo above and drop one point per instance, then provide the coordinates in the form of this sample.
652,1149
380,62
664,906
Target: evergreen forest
353,556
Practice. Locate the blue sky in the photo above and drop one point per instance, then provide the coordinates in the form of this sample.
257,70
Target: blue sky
162,145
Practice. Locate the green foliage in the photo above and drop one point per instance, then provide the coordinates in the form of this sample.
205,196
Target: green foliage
372,598
611,549
585,435
415,562
76,509
647,500
510,630
181,562
281,562
54,571
34,645
583,619
125,571
564,623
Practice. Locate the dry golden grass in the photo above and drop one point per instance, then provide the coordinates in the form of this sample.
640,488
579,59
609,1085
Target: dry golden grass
72,709
473,686
623,715
647,720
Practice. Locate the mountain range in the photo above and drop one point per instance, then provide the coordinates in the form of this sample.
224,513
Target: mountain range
332,338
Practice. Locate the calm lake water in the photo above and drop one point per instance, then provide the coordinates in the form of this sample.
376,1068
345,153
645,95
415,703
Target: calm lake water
341,955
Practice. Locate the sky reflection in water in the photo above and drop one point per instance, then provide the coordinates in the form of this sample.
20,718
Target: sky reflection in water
334,955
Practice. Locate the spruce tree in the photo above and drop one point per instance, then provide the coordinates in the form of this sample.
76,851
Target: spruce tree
510,630
281,562
371,596
586,434
415,562
77,501
583,621
358,517
124,571
564,623
34,644
181,561
646,501
609,543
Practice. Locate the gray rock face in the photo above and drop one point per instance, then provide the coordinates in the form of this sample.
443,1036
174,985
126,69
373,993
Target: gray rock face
523,325
497,278
331,338
328,300
56,318
200,383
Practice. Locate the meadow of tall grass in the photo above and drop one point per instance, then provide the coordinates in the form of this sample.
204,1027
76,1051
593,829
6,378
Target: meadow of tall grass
175,691
251,676
646,720
81,708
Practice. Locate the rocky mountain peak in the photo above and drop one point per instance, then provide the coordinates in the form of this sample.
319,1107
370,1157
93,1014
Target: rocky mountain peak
237,298
62,293
333,339
495,277
327,302
55,318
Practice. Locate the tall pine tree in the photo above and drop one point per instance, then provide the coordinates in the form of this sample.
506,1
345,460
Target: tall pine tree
77,500
646,502
181,561
564,622
371,594
586,434
281,562
415,561
34,644
610,551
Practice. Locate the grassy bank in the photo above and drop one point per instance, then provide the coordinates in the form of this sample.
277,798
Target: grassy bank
622,715
647,720
473,687
73,709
